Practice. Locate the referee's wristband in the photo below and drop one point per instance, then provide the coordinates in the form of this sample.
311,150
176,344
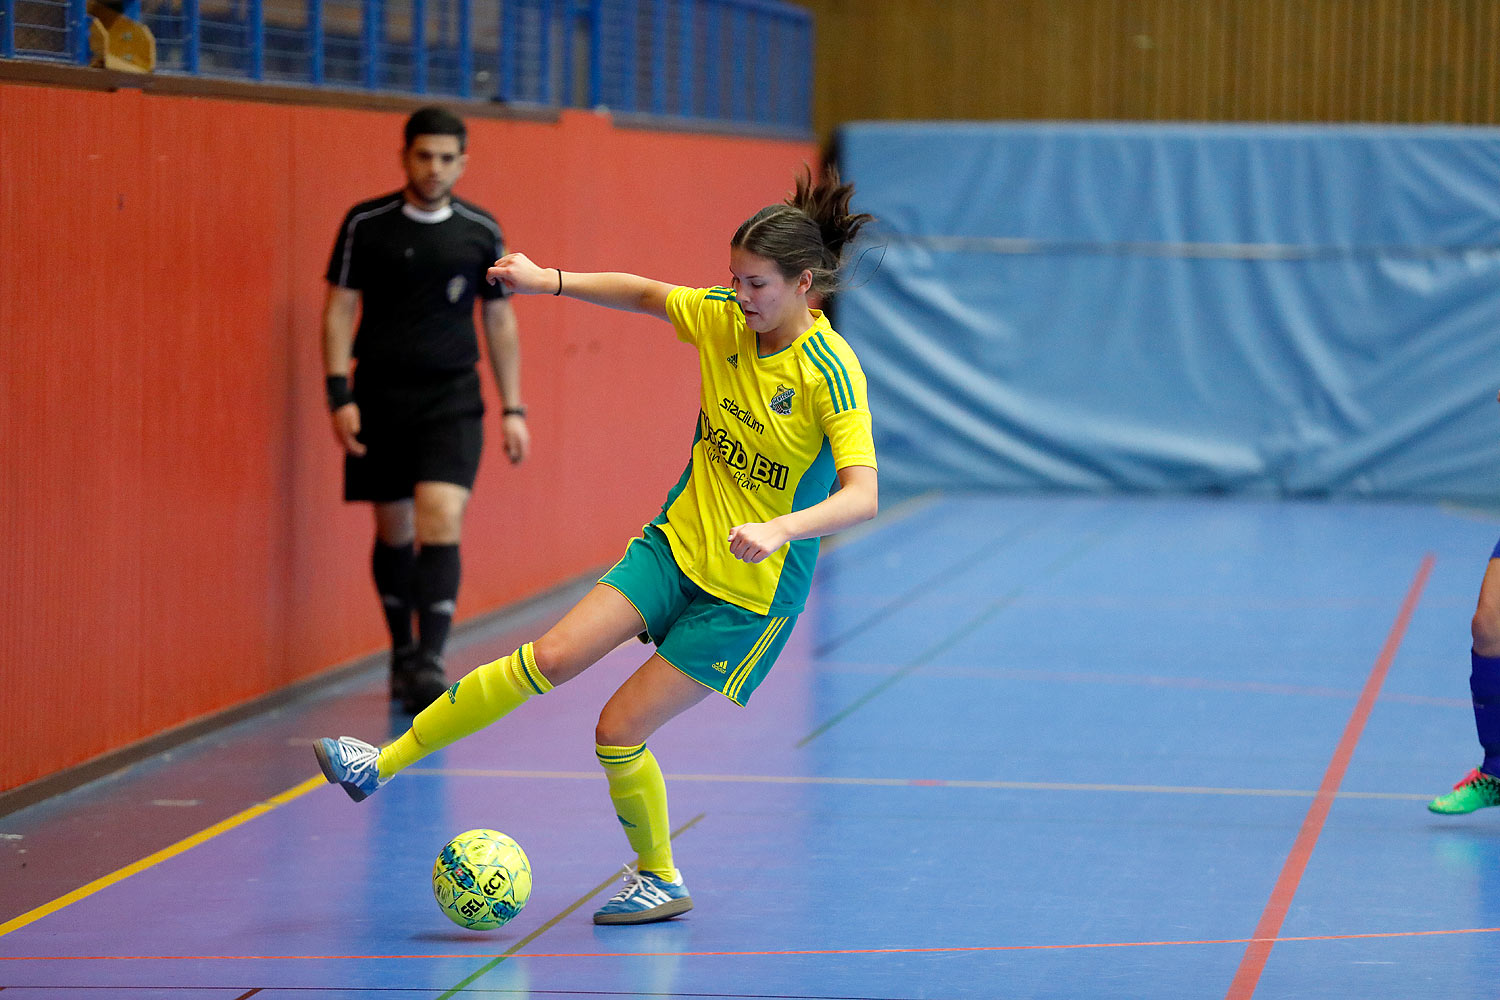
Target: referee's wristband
514,411
338,391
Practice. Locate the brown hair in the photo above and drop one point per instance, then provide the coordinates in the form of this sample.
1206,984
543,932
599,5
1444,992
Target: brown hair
807,232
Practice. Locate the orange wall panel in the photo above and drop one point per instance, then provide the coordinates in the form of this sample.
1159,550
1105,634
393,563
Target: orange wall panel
214,351
172,536
73,400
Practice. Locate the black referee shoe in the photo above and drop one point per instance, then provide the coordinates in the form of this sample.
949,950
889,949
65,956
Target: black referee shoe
403,663
424,683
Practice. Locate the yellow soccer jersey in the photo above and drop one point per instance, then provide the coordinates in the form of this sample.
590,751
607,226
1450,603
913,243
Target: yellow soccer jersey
772,433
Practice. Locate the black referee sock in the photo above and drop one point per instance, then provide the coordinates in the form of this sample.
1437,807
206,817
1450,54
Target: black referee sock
437,591
395,575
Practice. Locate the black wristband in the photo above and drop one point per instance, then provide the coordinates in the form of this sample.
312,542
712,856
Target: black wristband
514,411
338,391
559,281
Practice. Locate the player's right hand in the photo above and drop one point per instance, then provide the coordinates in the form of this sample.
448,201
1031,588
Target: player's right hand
346,428
517,272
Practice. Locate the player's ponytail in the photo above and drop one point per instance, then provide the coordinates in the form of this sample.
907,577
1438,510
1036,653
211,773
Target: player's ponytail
807,232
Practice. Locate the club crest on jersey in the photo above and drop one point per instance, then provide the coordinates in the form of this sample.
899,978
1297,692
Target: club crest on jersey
734,361
782,402
456,288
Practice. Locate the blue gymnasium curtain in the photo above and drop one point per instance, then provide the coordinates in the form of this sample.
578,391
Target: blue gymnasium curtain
1294,311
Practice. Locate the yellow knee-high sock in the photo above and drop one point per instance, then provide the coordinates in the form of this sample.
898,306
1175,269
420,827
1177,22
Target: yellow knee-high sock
484,694
640,797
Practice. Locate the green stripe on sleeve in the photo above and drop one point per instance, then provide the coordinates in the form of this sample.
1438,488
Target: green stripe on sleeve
821,345
828,379
835,388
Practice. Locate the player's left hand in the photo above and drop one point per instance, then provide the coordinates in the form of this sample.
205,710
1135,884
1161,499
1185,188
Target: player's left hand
517,438
519,274
753,542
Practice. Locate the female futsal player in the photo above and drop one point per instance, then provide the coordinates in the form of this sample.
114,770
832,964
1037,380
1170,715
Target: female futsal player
718,578
1481,786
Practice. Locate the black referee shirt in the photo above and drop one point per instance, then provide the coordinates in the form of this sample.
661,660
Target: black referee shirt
417,274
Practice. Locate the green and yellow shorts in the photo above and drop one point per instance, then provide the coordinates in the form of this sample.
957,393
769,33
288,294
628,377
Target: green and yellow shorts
720,645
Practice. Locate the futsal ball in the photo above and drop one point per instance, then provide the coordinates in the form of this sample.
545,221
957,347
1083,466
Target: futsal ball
481,879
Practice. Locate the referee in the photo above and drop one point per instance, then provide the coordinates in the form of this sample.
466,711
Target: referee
408,267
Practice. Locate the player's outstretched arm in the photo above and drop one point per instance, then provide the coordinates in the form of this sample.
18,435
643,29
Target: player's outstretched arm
614,289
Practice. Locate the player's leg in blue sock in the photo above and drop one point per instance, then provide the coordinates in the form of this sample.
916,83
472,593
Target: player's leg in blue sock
1484,674
1484,687
1481,787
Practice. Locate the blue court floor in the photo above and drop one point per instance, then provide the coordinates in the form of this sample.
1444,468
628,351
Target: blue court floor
1017,747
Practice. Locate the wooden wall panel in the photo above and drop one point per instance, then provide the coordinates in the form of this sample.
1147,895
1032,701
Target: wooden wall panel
1157,60
172,539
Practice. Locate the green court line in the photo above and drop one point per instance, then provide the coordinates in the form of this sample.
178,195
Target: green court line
511,952
1015,533
953,638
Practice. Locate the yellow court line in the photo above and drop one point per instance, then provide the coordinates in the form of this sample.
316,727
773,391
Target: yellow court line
165,853
274,802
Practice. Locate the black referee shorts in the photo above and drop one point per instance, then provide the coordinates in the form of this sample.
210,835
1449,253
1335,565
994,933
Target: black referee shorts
415,432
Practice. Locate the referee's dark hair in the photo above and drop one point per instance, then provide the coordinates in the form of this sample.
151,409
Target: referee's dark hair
436,121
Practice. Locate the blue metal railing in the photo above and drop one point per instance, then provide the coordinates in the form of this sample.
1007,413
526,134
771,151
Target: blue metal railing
737,62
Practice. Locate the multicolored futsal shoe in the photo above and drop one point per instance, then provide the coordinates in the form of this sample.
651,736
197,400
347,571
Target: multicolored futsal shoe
351,763
1476,791
647,897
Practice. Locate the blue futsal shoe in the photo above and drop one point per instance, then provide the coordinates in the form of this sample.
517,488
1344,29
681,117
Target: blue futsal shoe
647,897
352,763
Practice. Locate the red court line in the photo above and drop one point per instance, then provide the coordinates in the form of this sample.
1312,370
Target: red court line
748,954
1258,951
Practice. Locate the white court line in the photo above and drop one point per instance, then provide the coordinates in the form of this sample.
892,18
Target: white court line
1025,786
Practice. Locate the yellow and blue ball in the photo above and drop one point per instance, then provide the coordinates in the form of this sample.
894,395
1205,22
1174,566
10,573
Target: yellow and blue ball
482,879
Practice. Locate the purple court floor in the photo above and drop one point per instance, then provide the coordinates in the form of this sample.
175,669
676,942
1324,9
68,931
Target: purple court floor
1018,747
